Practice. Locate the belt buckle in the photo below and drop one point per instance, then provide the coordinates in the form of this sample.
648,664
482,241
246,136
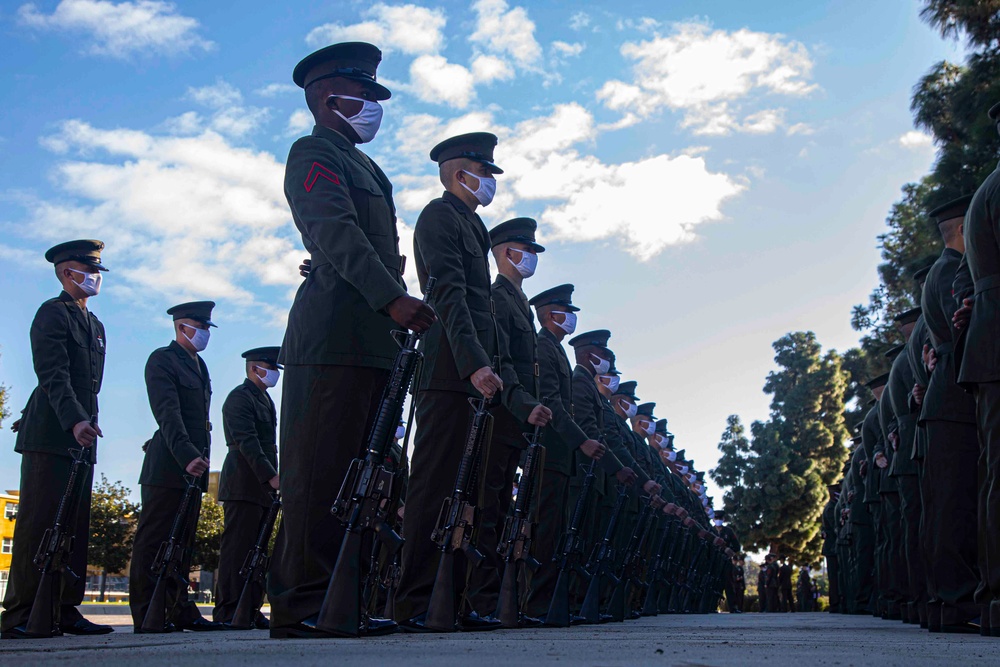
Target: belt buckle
208,426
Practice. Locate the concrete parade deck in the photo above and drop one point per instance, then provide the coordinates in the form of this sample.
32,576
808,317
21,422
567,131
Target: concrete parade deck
774,640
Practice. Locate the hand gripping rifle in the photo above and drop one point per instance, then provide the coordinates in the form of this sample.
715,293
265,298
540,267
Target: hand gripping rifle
515,547
456,522
602,563
366,497
255,569
57,545
631,563
169,561
569,555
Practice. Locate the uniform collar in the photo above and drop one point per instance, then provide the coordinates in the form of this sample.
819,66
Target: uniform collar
548,334
183,354
332,135
254,389
459,204
951,252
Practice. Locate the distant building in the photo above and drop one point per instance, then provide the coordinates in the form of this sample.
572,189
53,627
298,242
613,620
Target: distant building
8,506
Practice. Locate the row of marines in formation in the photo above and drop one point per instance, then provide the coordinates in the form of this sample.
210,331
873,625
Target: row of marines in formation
609,521
910,530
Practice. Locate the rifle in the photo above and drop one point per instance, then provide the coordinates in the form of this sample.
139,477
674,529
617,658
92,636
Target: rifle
53,554
631,563
456,522
515,547
658,570
366,497
690,580
169,561
677,580
601,563
255,569
569,555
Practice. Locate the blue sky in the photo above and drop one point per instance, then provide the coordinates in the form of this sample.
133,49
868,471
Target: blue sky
709,175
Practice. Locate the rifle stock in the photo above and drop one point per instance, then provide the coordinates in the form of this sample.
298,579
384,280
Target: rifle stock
601,563
367,496
52,557
254,570
569,556
167,566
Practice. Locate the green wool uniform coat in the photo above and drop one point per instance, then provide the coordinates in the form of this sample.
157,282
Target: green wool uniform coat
250,425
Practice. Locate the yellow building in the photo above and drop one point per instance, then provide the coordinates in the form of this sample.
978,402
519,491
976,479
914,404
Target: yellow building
8,517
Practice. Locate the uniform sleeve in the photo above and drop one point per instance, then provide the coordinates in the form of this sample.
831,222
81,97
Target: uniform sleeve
50,356
514,396
944,296
439,239
616,445
587,421
963,287
240,421
548,380
317,192
161,387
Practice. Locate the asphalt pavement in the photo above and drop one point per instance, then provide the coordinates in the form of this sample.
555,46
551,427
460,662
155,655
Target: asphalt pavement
774,640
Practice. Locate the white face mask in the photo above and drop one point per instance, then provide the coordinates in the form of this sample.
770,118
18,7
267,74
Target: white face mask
601,366
704,502
671,456
717,522
91,284
271,376
367,121
486,191
631,409
569,324
526,267
612,383
400,432
649,428
200,339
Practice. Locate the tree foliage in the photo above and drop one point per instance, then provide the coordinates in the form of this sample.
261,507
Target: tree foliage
792,456
4,403
733,465
113,517
208,535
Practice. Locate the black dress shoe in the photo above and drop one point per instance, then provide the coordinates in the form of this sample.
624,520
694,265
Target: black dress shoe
576,619
261,622
415,624
967,628
203,625
634,615
169,627
473,622
606,618
84,627
530,622
377,627
304,629
21,632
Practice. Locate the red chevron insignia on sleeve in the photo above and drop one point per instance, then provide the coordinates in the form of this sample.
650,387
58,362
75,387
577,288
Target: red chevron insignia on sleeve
319,171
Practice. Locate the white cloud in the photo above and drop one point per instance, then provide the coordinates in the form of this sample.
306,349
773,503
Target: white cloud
120,30
916,140
702,72
218,206
567,50
434,79
410,28
579,21
800,128
585,198
645,24
300,122
277,90
229,115
486,69
504,31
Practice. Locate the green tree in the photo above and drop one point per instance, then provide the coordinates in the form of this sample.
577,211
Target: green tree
113,519
798,451
208,535
731,470
4,403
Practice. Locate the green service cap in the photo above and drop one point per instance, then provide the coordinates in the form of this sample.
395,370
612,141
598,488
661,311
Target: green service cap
661,428
628,389
598,338
85,251
266,354
200,311
477,146
879,381
646,410
908,316
956,208
560,295
518,230
348,60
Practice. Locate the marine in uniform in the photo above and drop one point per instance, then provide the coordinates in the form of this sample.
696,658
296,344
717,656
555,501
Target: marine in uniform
338,346
249,476
516,254
566,443
68,346
180,392
829,551
871,435
733,597
862,532
948,414
461,350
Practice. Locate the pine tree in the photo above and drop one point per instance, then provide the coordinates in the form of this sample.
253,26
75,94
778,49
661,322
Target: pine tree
733,466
